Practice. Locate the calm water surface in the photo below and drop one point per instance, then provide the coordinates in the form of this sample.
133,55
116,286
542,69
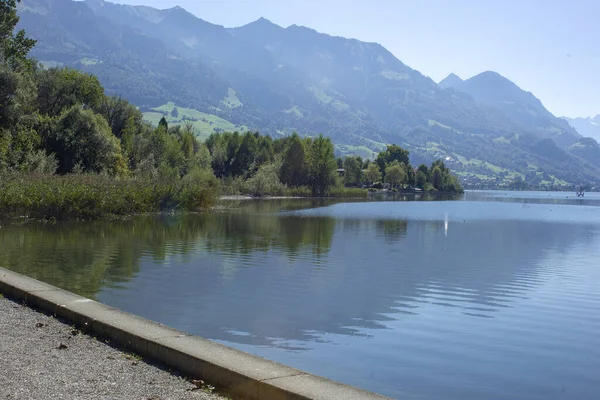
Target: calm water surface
494,296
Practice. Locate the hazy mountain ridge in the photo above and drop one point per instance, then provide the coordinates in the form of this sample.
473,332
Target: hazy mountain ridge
294,79
521,106
589,127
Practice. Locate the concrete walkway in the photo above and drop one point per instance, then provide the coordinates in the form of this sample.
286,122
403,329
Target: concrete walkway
43,358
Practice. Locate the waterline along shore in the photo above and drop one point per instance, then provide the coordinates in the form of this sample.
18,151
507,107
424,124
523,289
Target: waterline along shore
238,373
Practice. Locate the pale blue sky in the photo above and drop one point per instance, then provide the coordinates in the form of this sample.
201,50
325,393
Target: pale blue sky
549,47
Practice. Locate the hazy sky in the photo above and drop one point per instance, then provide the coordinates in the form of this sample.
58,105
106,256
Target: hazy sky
548,47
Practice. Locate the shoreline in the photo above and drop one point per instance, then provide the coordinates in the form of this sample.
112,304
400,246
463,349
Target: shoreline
369,194
236,372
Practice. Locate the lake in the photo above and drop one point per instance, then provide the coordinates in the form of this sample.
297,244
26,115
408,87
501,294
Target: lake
495,295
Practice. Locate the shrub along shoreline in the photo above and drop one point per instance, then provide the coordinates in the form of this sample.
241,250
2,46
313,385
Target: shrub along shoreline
80,196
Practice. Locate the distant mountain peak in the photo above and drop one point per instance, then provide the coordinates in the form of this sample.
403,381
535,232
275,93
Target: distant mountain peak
262,24
263,21
451,81
453,76
493,77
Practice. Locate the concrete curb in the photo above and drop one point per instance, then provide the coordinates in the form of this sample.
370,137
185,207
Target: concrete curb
240,373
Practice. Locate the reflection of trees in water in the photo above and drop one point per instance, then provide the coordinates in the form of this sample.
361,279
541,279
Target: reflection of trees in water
363,281
84,256
240,233
367,272
392,229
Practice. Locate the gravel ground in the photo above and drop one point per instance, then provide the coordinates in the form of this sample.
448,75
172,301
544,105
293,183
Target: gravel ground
43,358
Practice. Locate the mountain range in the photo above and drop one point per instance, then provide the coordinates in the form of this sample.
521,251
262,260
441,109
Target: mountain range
277,80
589,127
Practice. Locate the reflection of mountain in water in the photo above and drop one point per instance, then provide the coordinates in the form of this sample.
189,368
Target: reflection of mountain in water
265,279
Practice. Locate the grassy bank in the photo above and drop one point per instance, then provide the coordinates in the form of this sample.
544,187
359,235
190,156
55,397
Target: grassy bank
95,196
237,186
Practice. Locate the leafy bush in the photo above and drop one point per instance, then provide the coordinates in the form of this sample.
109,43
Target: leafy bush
232,186
266,181
197,190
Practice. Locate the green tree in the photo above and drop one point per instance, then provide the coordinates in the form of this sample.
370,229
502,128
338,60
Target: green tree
17,97
234,141
421,179
294,170
245,155
322,165
265,150
373,173
120,115
163,123
437,177
395,174
60,89
392,153
14,48
81,138
175,112
217,145
266,181
411,177
352,171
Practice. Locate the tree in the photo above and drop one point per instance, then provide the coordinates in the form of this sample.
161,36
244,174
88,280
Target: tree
81,138
266,181
60,89
421,179
265,150
352,171
392,153
14,48
218,150
373,173
17,97
340,162
411,176
437,177
175,112
245,155
294,169
163,123
395,174
321,165
118,112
